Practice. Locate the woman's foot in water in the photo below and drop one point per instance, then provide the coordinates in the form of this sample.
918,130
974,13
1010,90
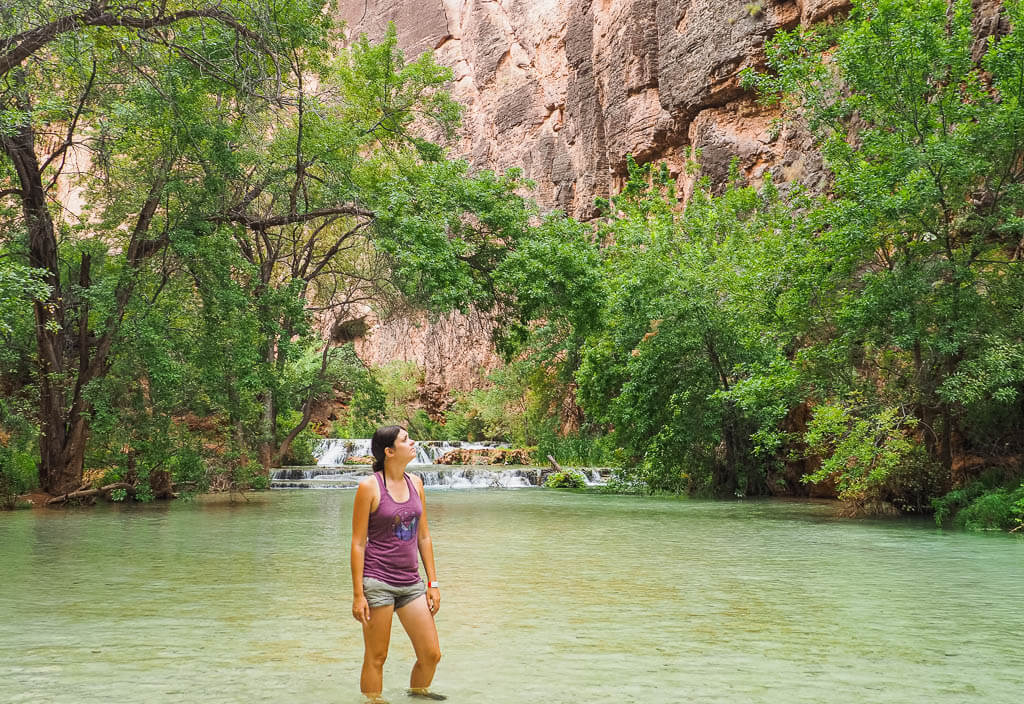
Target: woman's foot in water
424,693
374,699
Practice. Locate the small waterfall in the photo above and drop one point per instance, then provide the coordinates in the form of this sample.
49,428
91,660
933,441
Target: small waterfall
332,452
481,478
331,472
311,478
436,477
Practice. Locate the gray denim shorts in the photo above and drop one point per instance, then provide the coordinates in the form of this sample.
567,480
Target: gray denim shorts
380,593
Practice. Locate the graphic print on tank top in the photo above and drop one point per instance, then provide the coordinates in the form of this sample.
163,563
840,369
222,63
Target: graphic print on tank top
404,524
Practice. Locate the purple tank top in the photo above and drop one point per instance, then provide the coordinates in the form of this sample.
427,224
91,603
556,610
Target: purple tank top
391,540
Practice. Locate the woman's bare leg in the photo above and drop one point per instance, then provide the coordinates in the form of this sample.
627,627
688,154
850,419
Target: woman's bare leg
376,637
418,622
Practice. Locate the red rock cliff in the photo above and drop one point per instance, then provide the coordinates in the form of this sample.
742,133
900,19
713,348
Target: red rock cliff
566,90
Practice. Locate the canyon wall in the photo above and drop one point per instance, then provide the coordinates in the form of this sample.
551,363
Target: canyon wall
565,90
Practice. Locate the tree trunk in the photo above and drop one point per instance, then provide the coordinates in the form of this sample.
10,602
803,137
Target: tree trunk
286,444
724,476
63,408
62,437
307,405
88,493
946,450
268,420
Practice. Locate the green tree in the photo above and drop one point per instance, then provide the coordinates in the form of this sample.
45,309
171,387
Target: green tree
299,202
692,314
926,150
73,71
346,206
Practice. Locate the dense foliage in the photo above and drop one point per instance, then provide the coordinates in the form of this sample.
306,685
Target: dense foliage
246,186
694,306
869,338
193,192
925,236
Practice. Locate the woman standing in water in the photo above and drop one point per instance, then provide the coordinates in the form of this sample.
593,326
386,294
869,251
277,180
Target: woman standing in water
389,527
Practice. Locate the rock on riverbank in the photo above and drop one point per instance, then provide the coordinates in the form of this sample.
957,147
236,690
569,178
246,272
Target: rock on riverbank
491,455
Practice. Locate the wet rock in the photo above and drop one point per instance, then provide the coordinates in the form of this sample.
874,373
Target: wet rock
487,456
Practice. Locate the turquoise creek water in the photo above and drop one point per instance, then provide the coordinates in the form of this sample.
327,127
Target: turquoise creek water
547,597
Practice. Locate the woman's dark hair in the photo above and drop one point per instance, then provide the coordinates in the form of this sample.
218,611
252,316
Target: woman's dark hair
383,437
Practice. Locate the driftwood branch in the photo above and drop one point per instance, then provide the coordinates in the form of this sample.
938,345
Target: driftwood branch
85,493
554,465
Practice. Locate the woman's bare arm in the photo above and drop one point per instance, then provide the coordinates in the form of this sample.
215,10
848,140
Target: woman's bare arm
427,551
360,524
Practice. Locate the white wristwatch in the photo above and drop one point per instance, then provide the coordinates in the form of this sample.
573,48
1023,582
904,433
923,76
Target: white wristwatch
433,585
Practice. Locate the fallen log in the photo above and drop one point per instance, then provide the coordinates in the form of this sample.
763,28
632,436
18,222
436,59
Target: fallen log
85,493
554,465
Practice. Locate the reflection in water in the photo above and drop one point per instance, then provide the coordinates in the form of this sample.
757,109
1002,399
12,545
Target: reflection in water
548,596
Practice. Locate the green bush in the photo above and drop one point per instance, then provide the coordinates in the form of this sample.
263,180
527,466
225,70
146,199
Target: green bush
388,395
523,405
566,479
18,455
990,511
981,506
134,446
366,409
17,475
401,382
252,476
949,505
422,427
860,451
494,413
583,449
1018,511
188,467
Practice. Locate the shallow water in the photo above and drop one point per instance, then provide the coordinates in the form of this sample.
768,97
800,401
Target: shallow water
547,597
